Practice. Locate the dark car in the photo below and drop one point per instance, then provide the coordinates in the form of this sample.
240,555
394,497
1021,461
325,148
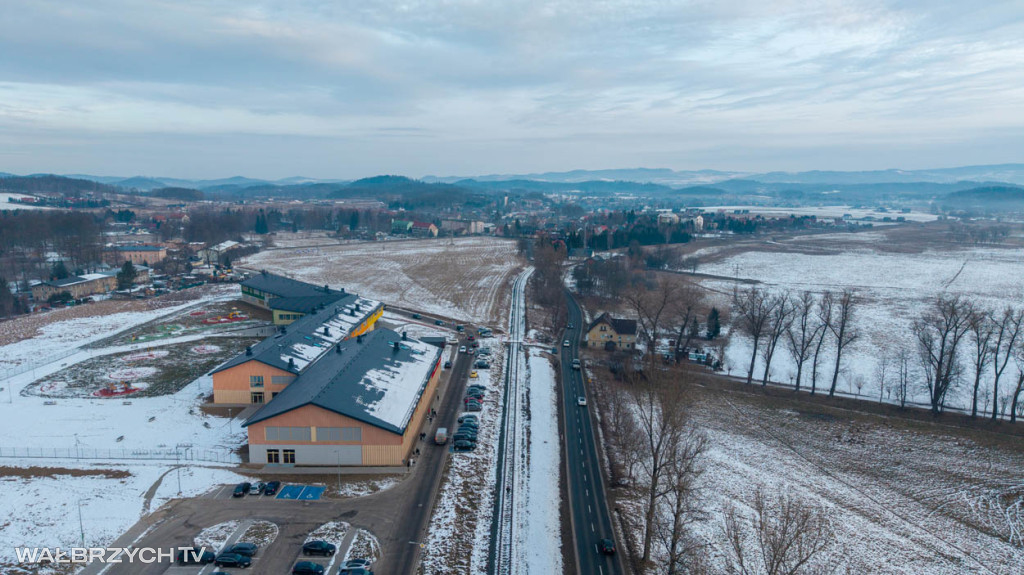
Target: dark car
242,489
448,364
416,316
271,488
463,446
607,546
471,337
464,436
247,549
233,560
196,555
474,406
319,548
307,568
468,417
469,425
438,322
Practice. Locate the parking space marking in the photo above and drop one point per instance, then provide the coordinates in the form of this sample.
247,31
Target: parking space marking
290,492
312,492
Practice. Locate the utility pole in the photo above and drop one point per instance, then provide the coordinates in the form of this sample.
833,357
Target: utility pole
81,526
339,472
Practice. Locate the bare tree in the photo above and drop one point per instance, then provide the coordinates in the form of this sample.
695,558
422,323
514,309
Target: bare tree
784,535
843,330
681,506
683,313
902,385
753,310
825,317
1007,330
802,333
939,333
653,308
779,321
981,330
659,408
1016,394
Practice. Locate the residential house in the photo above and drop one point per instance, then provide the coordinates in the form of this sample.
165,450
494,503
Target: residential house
611,333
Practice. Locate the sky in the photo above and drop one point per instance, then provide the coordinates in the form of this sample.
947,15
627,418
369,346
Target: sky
345,89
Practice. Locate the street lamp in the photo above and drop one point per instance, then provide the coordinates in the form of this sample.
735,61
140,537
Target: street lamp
81,526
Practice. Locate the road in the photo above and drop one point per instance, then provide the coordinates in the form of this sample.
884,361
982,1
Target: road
591,520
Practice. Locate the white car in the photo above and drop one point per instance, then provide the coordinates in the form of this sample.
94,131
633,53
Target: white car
581,401
565,343
462,349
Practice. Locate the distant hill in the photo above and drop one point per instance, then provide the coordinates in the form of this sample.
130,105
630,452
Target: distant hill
663,176
992,199
141,183
187,194
1008,173
54,184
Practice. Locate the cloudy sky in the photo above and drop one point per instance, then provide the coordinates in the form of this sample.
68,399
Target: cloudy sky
345,89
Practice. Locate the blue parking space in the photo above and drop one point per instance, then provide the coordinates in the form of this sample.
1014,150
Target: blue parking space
290,492
311,492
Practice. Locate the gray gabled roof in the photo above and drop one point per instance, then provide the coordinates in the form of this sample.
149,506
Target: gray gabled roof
367,380
621,326
283,287
304,341
305,304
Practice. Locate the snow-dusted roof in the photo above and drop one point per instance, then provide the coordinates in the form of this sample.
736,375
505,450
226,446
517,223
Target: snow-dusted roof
309,337
372,381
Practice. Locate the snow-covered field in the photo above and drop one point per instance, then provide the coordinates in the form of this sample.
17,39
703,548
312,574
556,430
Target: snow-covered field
826,212
894,288
465,279
43,511
904,500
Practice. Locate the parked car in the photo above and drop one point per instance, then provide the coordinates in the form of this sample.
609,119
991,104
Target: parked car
469,424
257,488
479,388
473,406
464,436
356,571
565,343
357,564
477,397
448,364
607,546
247,549
481,363
468,417
463,446
195,555
241,489
460,328
233,560
473,374
307,568
319,548
271,488
581,401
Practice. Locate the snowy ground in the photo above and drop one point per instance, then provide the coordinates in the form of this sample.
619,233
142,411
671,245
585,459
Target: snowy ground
905,499
895,288
826,212
43,511
466,279
540,538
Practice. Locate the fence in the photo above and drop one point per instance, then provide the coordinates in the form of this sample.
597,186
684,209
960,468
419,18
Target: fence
27,367
190,454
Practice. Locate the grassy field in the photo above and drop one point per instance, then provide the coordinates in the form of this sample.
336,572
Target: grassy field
467,279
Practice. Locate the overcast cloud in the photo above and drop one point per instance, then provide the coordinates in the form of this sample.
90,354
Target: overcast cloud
349,89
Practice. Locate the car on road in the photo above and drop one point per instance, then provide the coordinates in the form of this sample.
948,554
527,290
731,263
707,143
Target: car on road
461,328
233,560
257,488
247,549
307,568
575,364
581,401
196,555
471,337
448,364
318,548
241,489
468,417
271,488
607,546
462,349
357,564
416,316
438,322
572,326
565,343
473,374
463,446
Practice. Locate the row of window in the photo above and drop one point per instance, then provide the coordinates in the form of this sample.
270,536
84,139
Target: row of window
276,456
306,434
290,315
257,380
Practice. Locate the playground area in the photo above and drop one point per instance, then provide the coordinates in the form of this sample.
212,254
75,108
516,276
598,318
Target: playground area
145,372
214,317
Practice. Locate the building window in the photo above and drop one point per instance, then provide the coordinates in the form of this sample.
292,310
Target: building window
289,456
256,397
288,434
256,381
273,456
339,434
604,328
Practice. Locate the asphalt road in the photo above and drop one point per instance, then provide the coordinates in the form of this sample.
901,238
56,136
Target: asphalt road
591,520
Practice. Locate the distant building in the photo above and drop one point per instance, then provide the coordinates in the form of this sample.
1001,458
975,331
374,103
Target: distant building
85,285
423,230
463,226
581,253
611,333
287,299
142,254
212,255
401,227
363,403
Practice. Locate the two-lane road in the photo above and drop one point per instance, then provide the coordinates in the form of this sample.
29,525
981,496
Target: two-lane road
591,520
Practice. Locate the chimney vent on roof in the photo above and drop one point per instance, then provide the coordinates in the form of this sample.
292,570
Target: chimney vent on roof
337,348
327,289
359,338
248,350
395,349
342,290
405,336
291,363
327,330
351,311
284,329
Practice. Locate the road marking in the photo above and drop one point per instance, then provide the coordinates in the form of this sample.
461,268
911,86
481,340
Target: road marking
589,508
592,527
588,492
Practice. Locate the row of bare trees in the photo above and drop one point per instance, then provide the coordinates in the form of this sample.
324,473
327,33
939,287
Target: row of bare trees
804,324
